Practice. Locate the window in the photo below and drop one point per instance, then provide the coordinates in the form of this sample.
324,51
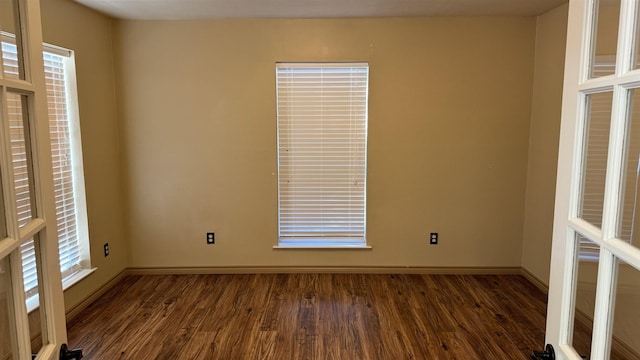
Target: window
68,174
322,154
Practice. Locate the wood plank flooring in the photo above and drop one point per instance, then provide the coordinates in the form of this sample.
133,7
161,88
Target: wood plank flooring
313,316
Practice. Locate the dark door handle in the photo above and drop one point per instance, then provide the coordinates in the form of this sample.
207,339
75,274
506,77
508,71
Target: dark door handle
66,354
547,354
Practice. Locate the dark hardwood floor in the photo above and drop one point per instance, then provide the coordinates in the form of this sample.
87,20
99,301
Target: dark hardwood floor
313,316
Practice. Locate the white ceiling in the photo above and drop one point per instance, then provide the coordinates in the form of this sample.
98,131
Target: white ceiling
206,9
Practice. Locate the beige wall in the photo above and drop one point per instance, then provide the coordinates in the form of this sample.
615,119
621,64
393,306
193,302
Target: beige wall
543,141
89,34
450,102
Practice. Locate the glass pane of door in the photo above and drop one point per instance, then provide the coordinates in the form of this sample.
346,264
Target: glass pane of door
595,151
10,28
32,269
605,38
29,268
3,219
627,227
626,321
587,275
8,345
20,156
635,61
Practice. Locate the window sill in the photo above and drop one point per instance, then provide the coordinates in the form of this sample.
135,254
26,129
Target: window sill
76,277
33,302
322,245
317,247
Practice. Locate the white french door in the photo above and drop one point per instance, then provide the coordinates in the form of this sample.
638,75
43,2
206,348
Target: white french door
594,289
30,323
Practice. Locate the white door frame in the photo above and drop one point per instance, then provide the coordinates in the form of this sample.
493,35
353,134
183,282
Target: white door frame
43,224
577,85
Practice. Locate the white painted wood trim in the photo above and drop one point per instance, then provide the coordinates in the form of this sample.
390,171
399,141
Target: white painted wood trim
316,247
50,281
562,276
541,285
605,302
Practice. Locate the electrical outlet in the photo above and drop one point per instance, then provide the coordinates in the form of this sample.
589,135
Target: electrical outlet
211,238
433,239
106,249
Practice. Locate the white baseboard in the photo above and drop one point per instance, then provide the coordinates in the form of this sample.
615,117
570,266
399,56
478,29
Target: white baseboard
534,280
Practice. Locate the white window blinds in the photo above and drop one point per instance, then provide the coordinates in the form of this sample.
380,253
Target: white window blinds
62,157
69,204
322,151
596,150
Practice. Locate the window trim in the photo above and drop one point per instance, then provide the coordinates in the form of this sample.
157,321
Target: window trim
320,240
79,189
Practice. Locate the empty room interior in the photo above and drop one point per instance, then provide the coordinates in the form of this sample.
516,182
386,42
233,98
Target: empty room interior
182,154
